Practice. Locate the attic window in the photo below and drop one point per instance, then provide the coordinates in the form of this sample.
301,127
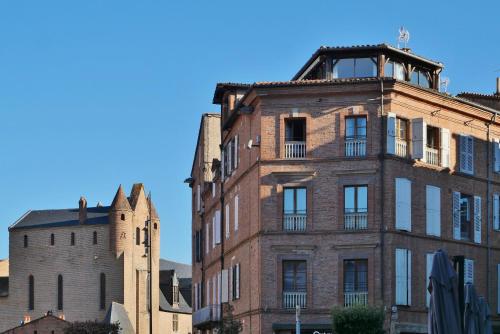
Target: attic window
354,68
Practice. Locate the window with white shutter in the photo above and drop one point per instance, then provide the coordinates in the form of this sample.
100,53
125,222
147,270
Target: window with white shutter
195,292
208,292
456,215
219,287
214,290
429,258
225,286
496,155
477,219
403,276
226,218
236,212
467,154
236,287
213,232
468,271
433,210
207,241
496,211
223,164
198,197
445,147
236,153
391,133
218,231
403,204
419,138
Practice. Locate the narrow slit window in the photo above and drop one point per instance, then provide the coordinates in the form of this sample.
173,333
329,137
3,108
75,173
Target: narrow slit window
137,236
52,239
60,292
102,293
94,238
72,238
31,293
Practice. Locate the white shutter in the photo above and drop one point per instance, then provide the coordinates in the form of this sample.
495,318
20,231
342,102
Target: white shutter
456,215
477,219
229,158
391,133
433,210
408,262
496,155
223,164
419,138
236,210
236,155
226,218
401,276
498,288
218,231
403,204
467,154
208,292
225,286
468,271
430,258
195,304
213,232
496,213
445,147
198,197
207,241
219,288
214,291
237,294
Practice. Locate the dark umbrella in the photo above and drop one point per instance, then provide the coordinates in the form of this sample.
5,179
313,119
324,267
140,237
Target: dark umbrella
444,313
472,323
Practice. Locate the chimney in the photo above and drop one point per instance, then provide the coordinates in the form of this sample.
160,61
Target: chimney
498,86
82,210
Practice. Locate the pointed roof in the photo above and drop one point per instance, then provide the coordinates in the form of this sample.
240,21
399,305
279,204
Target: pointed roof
135,193
154,213
120,202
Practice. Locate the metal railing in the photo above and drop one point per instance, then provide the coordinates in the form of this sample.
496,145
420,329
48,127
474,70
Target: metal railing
295,149
355,220
355,298
210,313
293,298
294,221
432,156
355,147
401,148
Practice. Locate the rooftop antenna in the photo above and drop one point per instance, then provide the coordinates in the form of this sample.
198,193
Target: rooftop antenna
404,36
445,82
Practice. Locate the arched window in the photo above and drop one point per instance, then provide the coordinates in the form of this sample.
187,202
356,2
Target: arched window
72,238
94,238
52,239
25,241
59,292
155,226
31,293
137,236
123,216
102,295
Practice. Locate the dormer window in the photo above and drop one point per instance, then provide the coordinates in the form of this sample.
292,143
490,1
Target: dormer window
354,68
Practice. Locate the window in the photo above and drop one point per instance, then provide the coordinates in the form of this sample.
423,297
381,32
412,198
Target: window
354,68
401,129
355,207
137,236
355,136
496,211
72,241
294,209
102,292
236,281
122,216
198,197
420,78
31,293
465,216
295,138
432,137
467,154
59,292
52,239
236,212
207,239
430,144
217,228
468,271
397,135
403,277
227,220
175,322
433,210
294,284
176,294
395,70
198,243
429,260
25,241
496,155
230,156
355,282
403,204
94,238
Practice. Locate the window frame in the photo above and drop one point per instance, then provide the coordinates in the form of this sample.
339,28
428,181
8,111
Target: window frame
335,61
295,200
356,272
356,198
356,127
295,273
295,137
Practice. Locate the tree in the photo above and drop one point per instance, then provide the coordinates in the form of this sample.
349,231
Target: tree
229,325
92,327
358,320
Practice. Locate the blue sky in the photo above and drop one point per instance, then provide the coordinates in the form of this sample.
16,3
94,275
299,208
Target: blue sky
94,94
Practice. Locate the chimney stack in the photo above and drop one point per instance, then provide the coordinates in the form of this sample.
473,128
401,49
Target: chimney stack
82,210
498,86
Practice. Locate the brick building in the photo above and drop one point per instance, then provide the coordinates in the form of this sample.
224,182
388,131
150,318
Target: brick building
47,324
336,187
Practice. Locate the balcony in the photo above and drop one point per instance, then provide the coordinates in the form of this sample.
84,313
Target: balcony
207,316
295,149
355,147
401,148
356,220
432,156
293,298
355,298
294,222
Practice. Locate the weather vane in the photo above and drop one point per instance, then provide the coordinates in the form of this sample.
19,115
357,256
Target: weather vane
404,36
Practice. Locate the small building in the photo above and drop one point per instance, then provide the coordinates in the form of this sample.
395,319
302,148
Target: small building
48,324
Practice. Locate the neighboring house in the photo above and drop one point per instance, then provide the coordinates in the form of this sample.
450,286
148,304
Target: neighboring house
84,263
175,297
47,324
336,187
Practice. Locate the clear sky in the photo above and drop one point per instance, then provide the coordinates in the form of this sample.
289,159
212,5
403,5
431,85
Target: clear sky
94,94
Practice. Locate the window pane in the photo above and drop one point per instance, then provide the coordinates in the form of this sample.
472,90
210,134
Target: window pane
301,200
389,69
350,127
362,199
344,68
365,67
422,80
289,207
414,77
349,198
300,278
295,130
361,127
399,72
288,275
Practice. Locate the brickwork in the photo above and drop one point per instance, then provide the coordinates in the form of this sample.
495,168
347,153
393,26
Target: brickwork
44,325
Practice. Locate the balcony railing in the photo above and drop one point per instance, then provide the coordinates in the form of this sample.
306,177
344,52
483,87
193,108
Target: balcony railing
355,298
401,148
206,315
432,156
293,298
355,147
294,221
295,149
355,220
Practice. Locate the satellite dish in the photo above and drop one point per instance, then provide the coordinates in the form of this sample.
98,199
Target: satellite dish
445,81
249,145
404,36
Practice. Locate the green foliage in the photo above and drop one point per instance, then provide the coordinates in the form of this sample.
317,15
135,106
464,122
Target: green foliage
229,325
358,320
92,327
